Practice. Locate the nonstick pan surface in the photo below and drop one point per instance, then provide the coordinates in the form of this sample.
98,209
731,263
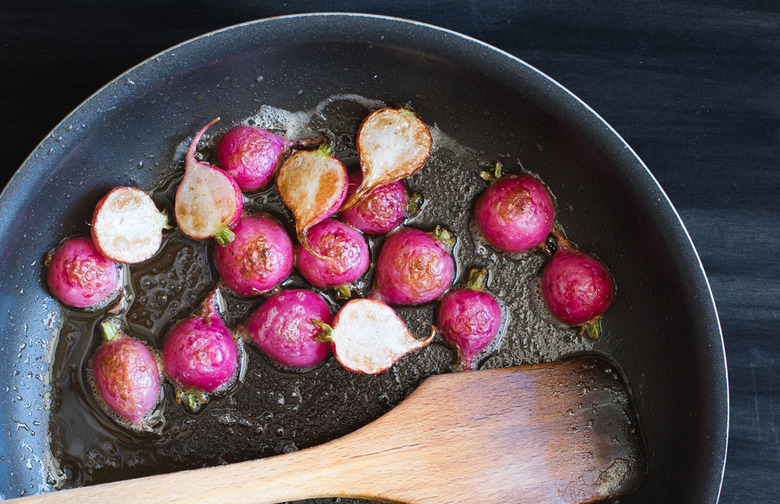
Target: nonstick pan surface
485,105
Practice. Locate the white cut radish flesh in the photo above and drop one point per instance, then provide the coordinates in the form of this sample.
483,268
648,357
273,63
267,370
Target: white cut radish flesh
127,226
368,337
392,144
208,200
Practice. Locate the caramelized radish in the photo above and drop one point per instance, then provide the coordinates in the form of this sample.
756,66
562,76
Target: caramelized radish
392,144
313,185
250,155
208,200
127,226
80,276
368,337
382,210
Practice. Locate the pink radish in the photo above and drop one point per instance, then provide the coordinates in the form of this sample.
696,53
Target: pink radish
250,155
469,319
577,288
259,258
383,209
208,200
282,328
313,185
345,254
516,213
414,267
200,355
368,337
126,377
127,226
80,276
392,144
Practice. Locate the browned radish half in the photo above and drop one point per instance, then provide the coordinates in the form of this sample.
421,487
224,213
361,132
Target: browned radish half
208,200
392,144
127,226
313,185
368,337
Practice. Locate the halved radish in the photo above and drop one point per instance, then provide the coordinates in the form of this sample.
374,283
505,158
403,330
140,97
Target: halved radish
392,144
313,185
368,337
127,226
208,200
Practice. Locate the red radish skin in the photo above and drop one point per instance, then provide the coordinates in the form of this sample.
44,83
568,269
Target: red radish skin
313,185
250,155
200,355
282,328
469,319
368,337
414,267
577,288
208,200
126,377
392,144
345,251
259,258
381,211
516,213
127,226
80,276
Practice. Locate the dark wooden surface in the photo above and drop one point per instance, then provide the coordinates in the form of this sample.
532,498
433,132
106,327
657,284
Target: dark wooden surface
693,87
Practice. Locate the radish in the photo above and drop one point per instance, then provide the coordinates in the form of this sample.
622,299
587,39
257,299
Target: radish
469,319
200,355
258,259
368,337
80,276
250,155
577,288
516,213
383,209
345,254
313,185
392,144
282,328
208,200
414,267
126,377
127,226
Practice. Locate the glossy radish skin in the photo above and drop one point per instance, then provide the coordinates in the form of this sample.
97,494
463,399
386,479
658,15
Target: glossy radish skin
381,211
344,252
208,200
392,144
127,226
577,288
413,267
259,258
200,353
313,185
126,376
282,328
469,319
80,276
250,155
368,337
516,213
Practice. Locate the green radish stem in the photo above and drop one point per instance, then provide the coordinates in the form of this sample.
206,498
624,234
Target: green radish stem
415,203
193,400
224,235
443,236
495,175
592,329
110,330
325,150
477,279
326,332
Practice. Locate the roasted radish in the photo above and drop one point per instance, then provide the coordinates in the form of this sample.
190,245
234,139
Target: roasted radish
414,267
127,226
383,209
392,144
368,337
80,276
208,200
282,328
250,155
259,258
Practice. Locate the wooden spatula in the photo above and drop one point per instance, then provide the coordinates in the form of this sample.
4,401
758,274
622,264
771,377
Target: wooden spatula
559,432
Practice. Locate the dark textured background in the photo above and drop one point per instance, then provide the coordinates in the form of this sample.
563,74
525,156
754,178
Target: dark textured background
693,87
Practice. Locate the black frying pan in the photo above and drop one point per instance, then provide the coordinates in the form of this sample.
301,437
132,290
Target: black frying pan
662,330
